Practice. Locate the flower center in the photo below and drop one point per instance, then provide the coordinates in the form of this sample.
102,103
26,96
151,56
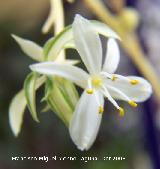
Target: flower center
94,82
97,81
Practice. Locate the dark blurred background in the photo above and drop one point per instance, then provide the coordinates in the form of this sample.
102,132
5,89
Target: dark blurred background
135,137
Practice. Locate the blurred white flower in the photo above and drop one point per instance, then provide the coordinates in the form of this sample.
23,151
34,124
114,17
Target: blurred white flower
100,82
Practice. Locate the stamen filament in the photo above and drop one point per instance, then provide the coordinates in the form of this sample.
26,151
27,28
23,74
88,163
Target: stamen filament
106,75
113,77
101,110
119,92
132,81
122,77
90,88
106,93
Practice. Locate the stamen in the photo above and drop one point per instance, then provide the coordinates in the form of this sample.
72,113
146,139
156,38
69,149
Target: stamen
89,91
121,112
101,110
134,81
122,77
90,88
114,77
132,103
118,91
107,94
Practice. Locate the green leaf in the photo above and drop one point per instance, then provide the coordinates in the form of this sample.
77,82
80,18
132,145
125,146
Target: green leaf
65,39
16,111
30,93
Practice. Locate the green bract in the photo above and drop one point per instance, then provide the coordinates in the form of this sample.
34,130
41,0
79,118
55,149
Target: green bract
58,96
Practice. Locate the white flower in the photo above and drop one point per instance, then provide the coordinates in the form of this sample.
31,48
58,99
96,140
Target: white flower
100,82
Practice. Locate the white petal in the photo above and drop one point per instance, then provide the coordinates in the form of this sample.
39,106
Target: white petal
16,111
88,44
30,48
86,121
139,92
67,71
112,56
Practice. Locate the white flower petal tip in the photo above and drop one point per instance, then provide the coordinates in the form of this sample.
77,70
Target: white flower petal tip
16,111
144,88
29,48
86,120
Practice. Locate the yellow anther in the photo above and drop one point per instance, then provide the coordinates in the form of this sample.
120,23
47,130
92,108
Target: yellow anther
132,103
134,81
121,112
114,77
101,110
89,91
